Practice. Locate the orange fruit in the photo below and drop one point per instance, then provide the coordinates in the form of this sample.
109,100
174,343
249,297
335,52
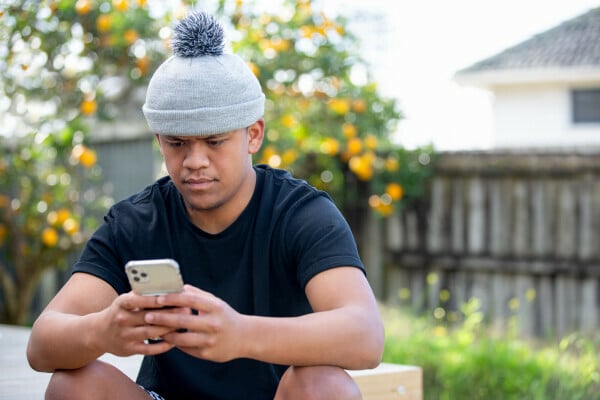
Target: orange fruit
88,158
83,7
339,106
359,105
349,130
131,36
288,120
62,215
354,146
49,237
88,107
104,23
395,190
371,142
120,5
330,146
392,164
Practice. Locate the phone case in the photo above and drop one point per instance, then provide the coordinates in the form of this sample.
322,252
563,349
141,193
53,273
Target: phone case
154,277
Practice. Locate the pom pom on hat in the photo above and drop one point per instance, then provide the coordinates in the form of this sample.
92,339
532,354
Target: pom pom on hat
198,35
200,90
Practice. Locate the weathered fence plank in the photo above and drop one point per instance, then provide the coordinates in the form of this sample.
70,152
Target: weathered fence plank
435,238
476,214
567,220
457,226
500,210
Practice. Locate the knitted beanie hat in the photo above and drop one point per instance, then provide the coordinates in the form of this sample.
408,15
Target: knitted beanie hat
201,91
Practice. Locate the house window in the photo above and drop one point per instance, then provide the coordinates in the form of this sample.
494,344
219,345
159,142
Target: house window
586,105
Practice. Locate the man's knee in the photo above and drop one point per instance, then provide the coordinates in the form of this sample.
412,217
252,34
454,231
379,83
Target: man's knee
97,380
315,383
71,384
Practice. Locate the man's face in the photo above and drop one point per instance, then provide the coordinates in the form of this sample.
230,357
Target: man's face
211,172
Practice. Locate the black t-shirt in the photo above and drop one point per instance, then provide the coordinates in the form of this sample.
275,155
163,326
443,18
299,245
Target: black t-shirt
260,265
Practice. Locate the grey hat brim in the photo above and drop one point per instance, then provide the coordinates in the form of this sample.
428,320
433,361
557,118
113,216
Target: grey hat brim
205,121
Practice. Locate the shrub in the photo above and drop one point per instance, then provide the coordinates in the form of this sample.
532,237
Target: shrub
469,361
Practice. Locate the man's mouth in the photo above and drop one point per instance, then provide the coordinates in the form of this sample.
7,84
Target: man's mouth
199,183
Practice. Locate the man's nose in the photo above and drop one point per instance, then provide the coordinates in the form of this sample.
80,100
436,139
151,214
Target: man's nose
196,157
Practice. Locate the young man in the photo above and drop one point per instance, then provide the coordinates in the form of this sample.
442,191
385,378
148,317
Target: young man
276,302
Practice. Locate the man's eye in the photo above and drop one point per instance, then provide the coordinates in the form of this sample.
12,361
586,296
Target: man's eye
216,142
176,143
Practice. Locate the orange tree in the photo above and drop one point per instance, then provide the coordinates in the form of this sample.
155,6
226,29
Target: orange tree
66,62
326,121
62,61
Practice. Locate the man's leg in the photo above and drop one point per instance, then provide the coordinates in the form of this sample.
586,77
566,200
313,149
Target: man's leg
97,380
317,383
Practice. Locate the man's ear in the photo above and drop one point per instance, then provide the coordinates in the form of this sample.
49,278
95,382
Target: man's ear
159,142
256,134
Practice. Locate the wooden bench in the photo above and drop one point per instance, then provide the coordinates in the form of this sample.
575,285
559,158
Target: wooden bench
19,381
390,382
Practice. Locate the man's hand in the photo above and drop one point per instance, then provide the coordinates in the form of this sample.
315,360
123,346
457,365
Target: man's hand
124,330
87,319
212,334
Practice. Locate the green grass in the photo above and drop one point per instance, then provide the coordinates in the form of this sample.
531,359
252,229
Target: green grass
467,360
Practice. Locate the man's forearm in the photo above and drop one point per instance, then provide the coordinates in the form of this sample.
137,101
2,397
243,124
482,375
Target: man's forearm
62,341
349,338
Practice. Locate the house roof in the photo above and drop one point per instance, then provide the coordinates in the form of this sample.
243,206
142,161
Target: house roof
572,46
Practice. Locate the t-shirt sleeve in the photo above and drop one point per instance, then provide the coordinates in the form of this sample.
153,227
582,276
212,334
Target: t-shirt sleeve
99,258
318,238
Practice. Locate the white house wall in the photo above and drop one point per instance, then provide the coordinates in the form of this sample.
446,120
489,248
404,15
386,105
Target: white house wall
539,116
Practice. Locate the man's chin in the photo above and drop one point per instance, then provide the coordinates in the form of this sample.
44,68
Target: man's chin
204,205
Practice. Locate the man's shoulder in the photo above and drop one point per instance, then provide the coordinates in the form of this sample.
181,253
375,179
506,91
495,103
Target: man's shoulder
152,198
284,195
160,188
282,182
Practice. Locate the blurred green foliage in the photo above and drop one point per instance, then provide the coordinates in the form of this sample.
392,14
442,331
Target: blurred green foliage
464,359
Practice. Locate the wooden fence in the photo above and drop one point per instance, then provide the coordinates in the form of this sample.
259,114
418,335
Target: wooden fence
518,231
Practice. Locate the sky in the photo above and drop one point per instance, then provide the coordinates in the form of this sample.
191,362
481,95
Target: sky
415,47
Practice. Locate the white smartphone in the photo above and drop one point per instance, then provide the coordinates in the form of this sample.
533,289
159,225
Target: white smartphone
154,277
